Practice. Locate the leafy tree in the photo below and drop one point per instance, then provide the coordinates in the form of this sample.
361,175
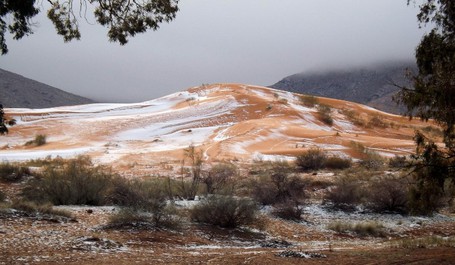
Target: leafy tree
4,122
123,18
433,95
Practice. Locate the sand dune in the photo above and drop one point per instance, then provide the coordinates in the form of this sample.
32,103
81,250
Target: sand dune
226,121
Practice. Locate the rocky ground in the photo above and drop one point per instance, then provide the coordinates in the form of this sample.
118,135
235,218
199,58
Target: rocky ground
83,239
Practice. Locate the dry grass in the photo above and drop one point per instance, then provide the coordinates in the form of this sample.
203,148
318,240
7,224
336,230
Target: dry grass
362,229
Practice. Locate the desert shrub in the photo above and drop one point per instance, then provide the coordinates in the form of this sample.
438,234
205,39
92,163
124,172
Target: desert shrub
219,177
13,173
345,195
288,211
277,186
424,198
283,101
308,101
372,160
2,196
39,140
324,114
34,208
75,182
128,217
335,162
312,159
361,229
376,121
425,242
388,195
398,162
225,211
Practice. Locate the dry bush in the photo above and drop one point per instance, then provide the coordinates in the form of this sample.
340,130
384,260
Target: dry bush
425,242
377,121
308,101
312,159
324,113
345,195
277,186
425,198
225,211
75,182
13,173
2,196
372,160
34,208
335,162
388,195
398,162
288,211
362,229
219,177
39,140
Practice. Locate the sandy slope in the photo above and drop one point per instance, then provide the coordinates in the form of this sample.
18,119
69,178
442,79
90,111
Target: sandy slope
226,121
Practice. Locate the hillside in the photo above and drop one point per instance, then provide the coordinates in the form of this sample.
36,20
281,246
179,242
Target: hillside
370,85
17,91
226,121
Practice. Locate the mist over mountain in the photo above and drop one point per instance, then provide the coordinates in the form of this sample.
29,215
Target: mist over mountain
17,91
370,85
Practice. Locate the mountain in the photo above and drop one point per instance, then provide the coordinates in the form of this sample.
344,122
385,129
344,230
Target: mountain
17,91
227,122
369,85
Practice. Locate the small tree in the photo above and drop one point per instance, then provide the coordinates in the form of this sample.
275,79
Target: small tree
313,159
194,156
218,177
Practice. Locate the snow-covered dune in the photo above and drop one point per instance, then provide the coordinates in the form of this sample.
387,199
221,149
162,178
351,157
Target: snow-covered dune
225,121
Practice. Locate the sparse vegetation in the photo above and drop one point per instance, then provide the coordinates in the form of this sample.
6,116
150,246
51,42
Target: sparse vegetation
39,140
324,113
398,162
362,229
13,173
345,195
425,242
308,101
288,210
335,162
219,178
34,208
76,182
225,211
312,159
388,195
377,121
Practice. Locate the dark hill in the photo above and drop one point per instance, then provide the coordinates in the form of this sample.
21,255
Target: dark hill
17,91
370,85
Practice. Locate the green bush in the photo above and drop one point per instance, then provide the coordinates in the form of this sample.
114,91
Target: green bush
313,159
13,173
225,211
75,182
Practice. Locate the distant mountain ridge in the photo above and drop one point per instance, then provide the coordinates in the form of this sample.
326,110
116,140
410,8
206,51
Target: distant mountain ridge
372,86
17,91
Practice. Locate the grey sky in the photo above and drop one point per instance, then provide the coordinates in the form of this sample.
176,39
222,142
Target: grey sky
242,41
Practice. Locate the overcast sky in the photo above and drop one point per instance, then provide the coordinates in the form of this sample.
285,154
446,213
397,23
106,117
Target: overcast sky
243,41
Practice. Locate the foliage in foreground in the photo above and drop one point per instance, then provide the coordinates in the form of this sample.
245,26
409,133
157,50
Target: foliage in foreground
225,211
75,182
